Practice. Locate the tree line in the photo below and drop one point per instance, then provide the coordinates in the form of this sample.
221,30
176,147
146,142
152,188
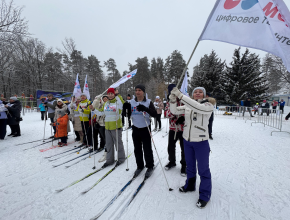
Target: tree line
27,64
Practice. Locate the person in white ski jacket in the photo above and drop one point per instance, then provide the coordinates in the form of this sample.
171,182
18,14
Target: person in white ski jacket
197,112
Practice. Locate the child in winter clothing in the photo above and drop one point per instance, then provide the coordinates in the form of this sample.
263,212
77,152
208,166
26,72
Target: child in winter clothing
256,108
158,106
196,147
42,111
61,127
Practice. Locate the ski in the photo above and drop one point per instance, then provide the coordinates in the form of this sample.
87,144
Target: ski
34,141
70,160
55,146
114,198
85,158
63,156
37,145
164,135
157,132
134,195
110,171
77,181
61,153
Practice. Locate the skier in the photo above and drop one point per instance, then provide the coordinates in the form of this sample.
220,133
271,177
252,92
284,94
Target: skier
61,121
3,120
74,114
158,106
112,109
176,124
247,106
265,107
60,105
83,109
274,105
14,109
42,108
196,147
51,103
140,134
127,108
282,104
256,108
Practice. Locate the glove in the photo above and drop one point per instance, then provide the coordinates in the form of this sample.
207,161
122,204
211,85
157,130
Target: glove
177,93
56,123
180,120
81,110
142,108
51,124
172,98
98,97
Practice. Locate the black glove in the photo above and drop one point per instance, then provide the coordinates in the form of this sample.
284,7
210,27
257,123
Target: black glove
57,123
142,108
180,120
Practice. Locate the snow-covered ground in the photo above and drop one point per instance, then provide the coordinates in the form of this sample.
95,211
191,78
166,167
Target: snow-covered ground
250,178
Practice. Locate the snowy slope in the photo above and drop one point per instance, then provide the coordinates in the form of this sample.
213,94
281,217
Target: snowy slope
250,174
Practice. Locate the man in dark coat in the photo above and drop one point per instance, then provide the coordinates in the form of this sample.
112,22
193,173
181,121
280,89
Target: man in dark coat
127,108
247,106
14,118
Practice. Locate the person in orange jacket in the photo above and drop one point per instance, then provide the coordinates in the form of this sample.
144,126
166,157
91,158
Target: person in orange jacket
61,127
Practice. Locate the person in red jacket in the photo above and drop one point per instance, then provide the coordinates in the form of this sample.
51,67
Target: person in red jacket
61,127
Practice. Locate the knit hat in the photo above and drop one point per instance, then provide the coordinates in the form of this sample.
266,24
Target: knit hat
140,86
59,100
170,87
264,100
60,112
201,88
84,94
157,97
129,95
49,94
257,103
112,90
13,98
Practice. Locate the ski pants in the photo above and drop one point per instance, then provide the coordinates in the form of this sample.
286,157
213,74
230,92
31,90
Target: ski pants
87,140
142,142
247,109
282,109
43,115
54,128
99,131
3,130
63,140
158,120
172,147
15,129
199,151
111,140
210,122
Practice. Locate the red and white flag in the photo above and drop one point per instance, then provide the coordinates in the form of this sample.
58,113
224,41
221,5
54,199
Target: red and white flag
77,90
259,24
124,79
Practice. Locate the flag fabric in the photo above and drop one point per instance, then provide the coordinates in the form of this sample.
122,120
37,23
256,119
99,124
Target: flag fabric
124,79
77,90
86,88
259,24
184,85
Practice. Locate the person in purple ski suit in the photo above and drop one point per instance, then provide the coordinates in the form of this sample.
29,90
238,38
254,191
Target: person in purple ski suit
197,112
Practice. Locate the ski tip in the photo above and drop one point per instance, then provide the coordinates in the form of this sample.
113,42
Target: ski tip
127,169
170,189
58,190
84,192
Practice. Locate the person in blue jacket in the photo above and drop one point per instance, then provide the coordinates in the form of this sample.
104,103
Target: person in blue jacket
282,104
3,120
43,110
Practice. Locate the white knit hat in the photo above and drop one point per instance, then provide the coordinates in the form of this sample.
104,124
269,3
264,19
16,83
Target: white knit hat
13,98
201,88
157,97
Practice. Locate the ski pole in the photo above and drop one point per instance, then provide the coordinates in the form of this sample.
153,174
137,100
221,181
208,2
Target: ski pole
93,139
127,122
170,189
117,130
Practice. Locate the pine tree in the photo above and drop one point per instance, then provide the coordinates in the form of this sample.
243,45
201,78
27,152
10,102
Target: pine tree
244,78
113,74
96,75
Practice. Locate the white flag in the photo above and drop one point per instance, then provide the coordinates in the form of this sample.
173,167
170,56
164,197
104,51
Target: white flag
259,24
86,88
184,85
77,90
124,79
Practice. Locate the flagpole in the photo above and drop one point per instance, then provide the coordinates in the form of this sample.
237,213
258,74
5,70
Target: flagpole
185,68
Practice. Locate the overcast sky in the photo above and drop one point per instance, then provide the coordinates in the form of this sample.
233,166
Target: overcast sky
126,29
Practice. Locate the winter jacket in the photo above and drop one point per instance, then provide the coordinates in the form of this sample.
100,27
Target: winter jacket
282,103
159,106
42,107
85,114
256,107
197,114
61,127
64,108
247,103
14,113
74,115
3,110
98,105
51,107
127,107
265,105
173,118
112,109
274,103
